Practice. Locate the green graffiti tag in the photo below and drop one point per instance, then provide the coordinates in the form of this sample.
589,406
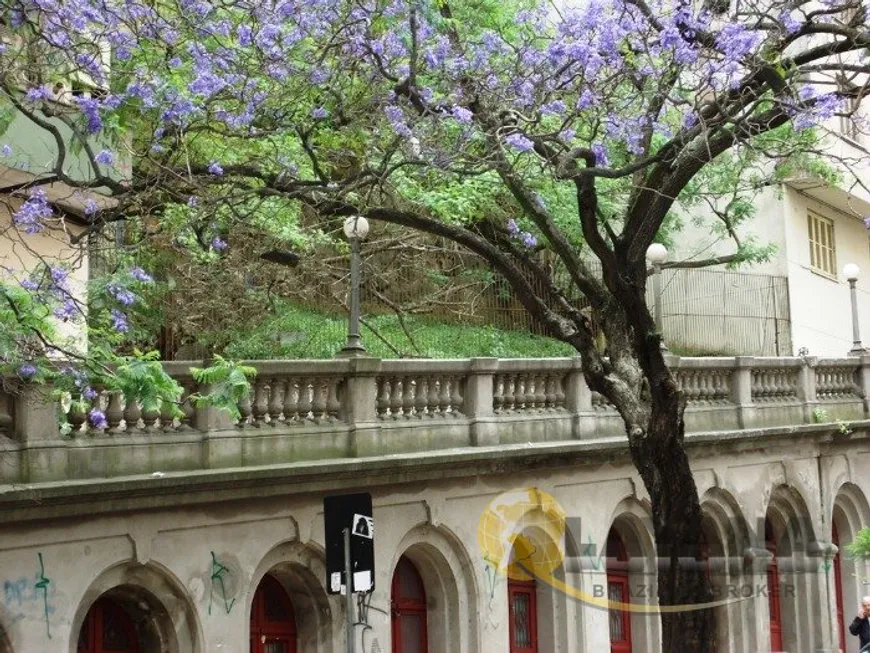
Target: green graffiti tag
218,571
42,583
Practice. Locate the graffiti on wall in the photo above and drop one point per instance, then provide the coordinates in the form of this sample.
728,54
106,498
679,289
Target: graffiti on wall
25,594
218,586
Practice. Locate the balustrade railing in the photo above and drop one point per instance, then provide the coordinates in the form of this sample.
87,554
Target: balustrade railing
407,390
836,380
341,406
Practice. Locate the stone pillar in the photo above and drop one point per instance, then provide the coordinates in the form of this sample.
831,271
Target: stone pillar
478,405
741,391
822,585
578,402
35,414
359,406
864,376
756,610
806,388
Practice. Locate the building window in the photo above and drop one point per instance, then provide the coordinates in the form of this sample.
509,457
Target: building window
822,254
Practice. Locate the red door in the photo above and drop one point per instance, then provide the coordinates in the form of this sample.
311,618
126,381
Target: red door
773,590
838,586
107,629
408,609
522,616
618,590
273,622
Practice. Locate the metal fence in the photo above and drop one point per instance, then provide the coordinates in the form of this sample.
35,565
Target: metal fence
724,312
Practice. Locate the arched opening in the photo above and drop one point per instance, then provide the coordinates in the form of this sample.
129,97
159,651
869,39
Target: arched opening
108,628
773,588
850,514
632,580
726,540
449,591
135,608
408,609
618,591
793,595
273,621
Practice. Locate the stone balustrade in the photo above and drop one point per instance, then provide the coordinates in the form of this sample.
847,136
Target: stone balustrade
315,410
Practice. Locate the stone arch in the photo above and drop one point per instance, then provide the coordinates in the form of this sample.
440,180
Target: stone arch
799,588
850,513
156,602
633,523
301,569
450,585
728,538
558,618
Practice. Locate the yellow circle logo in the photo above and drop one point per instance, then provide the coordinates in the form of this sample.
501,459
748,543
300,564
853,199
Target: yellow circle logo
522,534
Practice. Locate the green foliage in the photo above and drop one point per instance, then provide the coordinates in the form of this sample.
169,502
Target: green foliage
227,382
860,546
142,378
297,333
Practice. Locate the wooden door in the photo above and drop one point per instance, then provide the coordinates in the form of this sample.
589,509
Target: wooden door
273,621
523,616
107,629
408,609
773,590
618,591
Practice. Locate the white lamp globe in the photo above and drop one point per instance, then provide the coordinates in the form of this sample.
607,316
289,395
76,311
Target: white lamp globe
657,253
851,272
356,226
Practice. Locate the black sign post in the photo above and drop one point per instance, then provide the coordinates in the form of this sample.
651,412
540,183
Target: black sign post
350,549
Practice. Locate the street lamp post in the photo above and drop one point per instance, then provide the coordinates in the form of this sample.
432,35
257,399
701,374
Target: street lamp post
356,228
851,271
658,254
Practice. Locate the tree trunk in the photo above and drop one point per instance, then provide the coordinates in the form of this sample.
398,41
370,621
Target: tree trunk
683,580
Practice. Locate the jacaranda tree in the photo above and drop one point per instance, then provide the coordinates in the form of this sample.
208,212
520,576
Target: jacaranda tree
586,130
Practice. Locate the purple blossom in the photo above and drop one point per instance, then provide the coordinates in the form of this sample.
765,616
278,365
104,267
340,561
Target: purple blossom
519,142
554,107
7,150
27,370
33,212
789,22
119,321
867,222
319,113
29,284
91,207
140,275
461,114
512,227
529,240
121,294
90,108
38,94
89,393
104,157
214,168
600,154
66,311
97,418
192,201
218,244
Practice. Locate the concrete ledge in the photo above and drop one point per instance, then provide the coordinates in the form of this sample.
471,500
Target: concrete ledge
63,499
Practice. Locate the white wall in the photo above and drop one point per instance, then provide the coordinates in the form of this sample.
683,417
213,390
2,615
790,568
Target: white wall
820,307
22,253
